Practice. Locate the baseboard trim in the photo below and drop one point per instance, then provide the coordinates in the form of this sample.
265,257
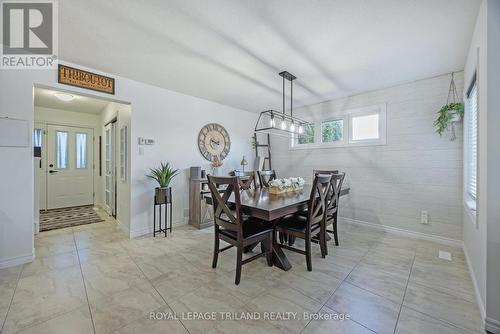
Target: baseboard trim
406,233
492,325
17,260
479,300
149,229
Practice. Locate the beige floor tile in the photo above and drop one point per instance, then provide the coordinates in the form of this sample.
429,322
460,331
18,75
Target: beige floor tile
284,299
370,310
8,282
110,275
44,296
247,327
449,279
437,304
388,285
50,262
333,322
413,322
121,308
156,324
74,322
54,243
206,299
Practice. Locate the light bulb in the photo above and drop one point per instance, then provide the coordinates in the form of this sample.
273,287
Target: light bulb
301,129
283,125
292,127
272,123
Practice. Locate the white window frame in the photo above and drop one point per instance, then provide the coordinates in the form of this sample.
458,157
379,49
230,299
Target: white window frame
346,116
470,200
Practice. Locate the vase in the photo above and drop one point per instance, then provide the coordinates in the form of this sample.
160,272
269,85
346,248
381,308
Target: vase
163,195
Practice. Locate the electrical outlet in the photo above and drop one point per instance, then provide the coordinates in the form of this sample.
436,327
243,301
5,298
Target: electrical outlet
424,217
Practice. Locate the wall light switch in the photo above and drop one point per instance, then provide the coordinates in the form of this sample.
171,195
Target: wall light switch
424,217
141,141
149,141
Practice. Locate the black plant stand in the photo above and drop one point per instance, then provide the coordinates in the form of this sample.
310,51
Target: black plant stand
167,219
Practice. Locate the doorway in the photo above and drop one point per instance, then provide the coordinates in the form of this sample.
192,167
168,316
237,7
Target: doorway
79,176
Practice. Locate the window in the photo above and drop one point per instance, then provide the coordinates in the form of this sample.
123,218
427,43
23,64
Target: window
307,137
332,131
365,127
61,150
81,150
471,119
37,138
355,127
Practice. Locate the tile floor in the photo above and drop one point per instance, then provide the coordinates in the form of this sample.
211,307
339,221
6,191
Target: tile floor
93,279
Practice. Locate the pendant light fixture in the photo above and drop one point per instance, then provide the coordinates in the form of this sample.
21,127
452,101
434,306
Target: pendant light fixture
280,123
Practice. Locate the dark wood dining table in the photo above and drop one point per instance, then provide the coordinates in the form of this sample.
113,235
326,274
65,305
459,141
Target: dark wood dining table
270,207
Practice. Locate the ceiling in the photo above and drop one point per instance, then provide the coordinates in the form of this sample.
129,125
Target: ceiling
230,51
46,98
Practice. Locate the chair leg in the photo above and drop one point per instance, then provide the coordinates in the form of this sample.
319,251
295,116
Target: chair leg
308,252
281,237
269,255
239,259
322,241
216,248
335,233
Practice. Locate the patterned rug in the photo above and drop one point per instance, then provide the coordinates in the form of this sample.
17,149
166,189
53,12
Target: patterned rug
67,217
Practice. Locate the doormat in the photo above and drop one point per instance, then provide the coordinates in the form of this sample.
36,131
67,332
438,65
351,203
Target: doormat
66,217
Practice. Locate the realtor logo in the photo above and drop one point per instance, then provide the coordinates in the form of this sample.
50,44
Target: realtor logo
29,34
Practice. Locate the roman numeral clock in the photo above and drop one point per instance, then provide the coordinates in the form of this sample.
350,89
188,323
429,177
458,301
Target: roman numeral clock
214,141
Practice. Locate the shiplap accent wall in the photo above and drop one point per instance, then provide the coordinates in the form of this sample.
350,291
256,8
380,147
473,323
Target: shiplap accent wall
391,184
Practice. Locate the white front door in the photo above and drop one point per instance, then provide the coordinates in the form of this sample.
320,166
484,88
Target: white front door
70,177
109,169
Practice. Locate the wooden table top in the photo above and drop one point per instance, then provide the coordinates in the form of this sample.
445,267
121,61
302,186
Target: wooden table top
261,204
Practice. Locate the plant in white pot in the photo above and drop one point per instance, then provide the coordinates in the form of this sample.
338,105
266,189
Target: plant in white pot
451,113
163,175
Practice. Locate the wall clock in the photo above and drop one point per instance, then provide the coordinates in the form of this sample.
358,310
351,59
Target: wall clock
214,141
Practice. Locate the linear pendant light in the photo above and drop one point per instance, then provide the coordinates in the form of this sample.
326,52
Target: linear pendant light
280,123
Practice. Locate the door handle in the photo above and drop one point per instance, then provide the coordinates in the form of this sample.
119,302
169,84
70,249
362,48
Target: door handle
52,171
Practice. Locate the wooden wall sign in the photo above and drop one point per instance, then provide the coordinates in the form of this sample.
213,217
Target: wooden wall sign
83,79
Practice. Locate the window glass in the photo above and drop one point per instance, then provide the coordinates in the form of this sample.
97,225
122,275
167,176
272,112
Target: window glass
472,142
307,136
81,150
37,138
61,149
365,127
332,131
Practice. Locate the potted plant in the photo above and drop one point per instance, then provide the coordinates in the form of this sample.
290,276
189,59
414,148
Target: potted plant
448,114
163,175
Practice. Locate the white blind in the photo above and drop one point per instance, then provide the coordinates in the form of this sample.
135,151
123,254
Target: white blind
472,141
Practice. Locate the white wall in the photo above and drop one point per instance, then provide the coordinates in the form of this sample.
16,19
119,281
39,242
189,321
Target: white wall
493,169
390,184
474,236
63,117
171,118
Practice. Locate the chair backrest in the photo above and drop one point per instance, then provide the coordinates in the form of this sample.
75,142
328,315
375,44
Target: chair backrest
223,215
265,176
333,196
245,179
318,198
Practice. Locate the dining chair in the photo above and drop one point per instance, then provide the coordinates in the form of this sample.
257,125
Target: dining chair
332,205
245,179
265,176
235,229
305,227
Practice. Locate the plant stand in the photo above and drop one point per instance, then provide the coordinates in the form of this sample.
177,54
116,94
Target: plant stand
167,219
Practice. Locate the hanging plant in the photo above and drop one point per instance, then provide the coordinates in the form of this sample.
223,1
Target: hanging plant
449,114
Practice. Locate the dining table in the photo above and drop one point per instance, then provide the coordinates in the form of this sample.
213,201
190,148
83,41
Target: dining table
271,207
